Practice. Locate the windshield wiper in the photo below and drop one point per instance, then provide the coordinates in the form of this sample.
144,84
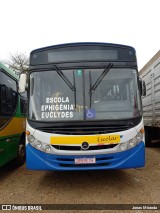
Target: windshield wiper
95,85
98,81
66,80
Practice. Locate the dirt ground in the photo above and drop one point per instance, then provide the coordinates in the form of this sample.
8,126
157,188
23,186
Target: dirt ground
132,186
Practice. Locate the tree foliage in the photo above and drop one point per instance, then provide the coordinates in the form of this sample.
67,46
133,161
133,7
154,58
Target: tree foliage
18,62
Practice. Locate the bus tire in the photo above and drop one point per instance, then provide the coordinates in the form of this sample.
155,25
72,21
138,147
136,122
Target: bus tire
21,154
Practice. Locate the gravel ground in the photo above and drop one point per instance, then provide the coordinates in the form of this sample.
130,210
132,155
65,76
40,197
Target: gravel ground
130,186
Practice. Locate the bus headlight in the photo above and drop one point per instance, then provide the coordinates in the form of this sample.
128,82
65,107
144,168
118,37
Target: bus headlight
139,137
31,138
123,146
47,148
133,142
38,145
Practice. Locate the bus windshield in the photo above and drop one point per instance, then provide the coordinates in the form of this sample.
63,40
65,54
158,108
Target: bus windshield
116,96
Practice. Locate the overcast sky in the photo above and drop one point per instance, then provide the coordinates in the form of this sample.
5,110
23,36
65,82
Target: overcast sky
29,24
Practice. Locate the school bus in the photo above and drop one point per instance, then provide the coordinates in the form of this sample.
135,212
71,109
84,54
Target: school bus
84,108
12,119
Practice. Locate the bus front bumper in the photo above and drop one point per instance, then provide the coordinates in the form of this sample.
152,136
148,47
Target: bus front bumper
132,158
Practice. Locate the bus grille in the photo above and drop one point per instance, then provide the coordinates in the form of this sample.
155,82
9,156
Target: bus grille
84,130
101,161
79,148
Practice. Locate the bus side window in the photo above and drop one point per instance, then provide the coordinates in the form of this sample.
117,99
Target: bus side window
2,97
8,95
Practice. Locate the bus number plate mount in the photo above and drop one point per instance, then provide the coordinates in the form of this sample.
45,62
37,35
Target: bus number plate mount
85,160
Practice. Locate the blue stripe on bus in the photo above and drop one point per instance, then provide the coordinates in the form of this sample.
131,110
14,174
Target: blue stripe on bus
37,160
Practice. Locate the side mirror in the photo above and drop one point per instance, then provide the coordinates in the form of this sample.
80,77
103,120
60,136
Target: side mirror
142,87
22,83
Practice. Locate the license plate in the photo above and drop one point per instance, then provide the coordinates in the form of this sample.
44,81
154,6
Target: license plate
85,160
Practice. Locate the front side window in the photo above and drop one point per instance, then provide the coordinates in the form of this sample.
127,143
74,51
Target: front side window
72,95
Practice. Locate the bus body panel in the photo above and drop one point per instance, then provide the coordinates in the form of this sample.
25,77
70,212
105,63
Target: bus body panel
8,148
62,160
12,125
37,160
9,139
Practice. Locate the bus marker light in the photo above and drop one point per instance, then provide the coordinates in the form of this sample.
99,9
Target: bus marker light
27,133
142,130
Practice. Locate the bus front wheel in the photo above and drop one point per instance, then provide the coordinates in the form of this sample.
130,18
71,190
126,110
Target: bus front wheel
21,153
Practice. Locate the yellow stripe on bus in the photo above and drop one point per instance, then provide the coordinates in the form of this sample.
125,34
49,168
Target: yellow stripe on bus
15,126
78,140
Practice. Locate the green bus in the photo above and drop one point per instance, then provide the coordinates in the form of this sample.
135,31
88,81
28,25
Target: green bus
12,119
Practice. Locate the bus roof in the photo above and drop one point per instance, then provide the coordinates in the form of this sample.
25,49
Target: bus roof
83,44
9,71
